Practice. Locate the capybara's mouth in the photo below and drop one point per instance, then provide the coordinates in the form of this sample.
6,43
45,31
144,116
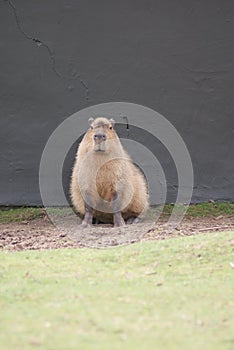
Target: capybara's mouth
100,147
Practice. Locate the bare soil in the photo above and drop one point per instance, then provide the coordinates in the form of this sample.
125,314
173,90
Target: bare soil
41,234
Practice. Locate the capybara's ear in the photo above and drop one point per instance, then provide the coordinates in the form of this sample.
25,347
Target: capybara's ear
91,120
112,122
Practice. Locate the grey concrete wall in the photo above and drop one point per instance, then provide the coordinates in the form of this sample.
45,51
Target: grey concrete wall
58,57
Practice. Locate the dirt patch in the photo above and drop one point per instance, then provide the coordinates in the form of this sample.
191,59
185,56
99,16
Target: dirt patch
41,234
192,226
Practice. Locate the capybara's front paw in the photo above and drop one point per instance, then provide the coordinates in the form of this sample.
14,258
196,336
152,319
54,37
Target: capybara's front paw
85,225
119,222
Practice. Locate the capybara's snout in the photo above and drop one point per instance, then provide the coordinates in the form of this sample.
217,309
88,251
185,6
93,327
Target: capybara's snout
99,137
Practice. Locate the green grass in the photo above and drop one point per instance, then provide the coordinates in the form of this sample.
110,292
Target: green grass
206,209
19,214
174,294
8,215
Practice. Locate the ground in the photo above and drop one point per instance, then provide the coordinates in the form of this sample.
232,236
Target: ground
160,293
41,234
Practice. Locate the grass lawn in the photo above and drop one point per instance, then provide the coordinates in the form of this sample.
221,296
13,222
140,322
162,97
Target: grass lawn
206,209
173,294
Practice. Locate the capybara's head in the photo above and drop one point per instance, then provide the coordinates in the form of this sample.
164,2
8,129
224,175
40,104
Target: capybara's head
102,132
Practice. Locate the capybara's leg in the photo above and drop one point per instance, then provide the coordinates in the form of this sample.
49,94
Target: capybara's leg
116,206
118,219
88,218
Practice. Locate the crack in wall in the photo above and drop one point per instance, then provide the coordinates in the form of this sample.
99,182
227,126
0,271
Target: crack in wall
50,51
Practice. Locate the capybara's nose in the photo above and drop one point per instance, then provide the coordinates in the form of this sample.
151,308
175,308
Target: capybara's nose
99,137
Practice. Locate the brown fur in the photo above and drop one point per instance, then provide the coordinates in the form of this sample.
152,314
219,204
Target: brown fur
117,175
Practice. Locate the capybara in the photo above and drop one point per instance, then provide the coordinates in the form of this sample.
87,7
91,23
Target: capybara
105,183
